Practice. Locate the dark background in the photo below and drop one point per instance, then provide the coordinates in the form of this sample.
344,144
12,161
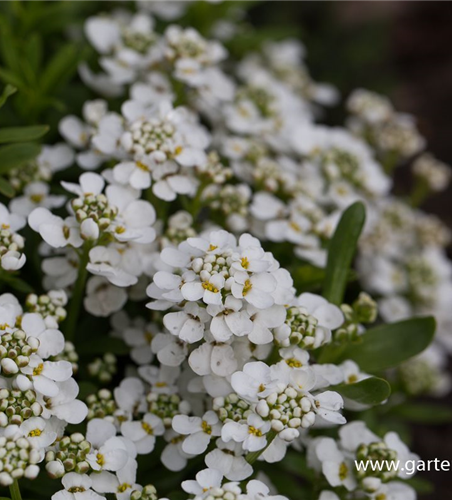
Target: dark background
402,49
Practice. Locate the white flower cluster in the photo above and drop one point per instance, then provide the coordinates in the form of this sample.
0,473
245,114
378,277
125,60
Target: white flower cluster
339,462
197,180
37,394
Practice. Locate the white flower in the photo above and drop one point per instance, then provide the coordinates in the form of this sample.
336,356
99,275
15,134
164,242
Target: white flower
336,467
64,405
54,230
228,459
252,435
102,298
122,483
206,480
199,431
254,381
76,487
43,375
189,324
256,290
39,432
108,452
143,433
210,358
229,319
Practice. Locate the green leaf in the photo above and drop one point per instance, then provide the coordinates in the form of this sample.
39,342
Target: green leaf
22,134
60,68
16,283
6,189
370,391
7,91
423,413
387,346
15,155
342,248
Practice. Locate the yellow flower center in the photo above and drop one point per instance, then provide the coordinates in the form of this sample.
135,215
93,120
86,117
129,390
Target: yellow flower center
255,432
4,326
148,336
38,369
295,226
206,427
294,363
76,489
212,248
245,263
352,379
35,433
5,226
343,471
36,198
123,487
211,288
100,459
261,388
120,230
247,287
160,384
148,428
178,150
142,166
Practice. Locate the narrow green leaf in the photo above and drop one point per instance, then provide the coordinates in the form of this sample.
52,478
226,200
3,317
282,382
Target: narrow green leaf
7,91
22,134
16,283
387,346
15,155
423,413
60,68
6,189
370,391
342,248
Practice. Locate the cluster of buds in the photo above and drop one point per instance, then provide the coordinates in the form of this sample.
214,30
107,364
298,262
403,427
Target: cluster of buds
213,171
17,406
153,136
339,164
260,97
231,407
138,40
167,406
68,354
17,459
363,310
180,228
15,351
300,328
20,177
50,305
149,492
373,453
287,412
417,377
101,405
228,199
103,368
10,241
95,207
433,172
69,456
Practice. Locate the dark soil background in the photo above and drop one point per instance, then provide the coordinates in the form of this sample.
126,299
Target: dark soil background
403,49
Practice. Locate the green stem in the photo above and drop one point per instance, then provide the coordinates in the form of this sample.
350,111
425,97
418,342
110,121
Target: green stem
254,455
77,294
15,491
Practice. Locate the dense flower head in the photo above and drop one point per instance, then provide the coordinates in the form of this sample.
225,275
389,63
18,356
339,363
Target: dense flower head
185,307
